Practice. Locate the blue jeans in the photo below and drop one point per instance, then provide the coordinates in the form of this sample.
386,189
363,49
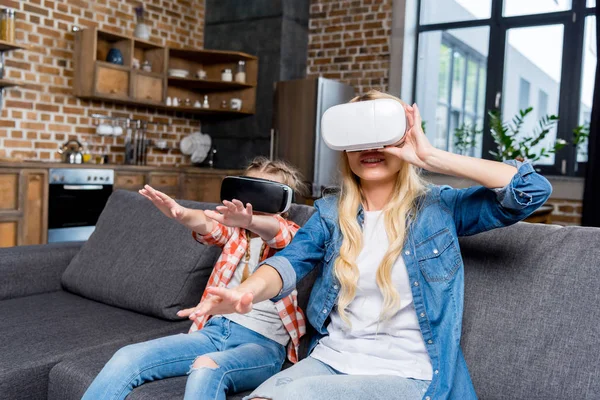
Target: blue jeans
315,380
245,359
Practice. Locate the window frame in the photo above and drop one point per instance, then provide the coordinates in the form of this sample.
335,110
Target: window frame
573,21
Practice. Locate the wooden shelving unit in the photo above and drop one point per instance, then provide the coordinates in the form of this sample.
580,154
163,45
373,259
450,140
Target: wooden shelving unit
6,46
6,83
97,79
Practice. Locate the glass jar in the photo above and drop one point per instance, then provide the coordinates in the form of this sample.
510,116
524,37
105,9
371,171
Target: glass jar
7,24
226,75
240,73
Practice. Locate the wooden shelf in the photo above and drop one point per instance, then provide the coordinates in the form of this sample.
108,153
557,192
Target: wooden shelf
96,79
210,56
5,83
4,46
164,107
209,84
113,66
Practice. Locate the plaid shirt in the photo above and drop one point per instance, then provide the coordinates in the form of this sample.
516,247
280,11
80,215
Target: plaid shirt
234,243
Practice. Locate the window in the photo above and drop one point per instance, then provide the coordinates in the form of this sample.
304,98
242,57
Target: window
524,87
456,98
524,41
542,108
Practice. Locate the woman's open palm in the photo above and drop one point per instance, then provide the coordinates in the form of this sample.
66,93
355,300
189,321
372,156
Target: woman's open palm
164,203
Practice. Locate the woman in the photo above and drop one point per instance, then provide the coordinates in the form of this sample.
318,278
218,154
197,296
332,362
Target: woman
387,305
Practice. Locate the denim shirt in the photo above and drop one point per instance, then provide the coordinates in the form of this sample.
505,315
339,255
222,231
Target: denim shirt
433,261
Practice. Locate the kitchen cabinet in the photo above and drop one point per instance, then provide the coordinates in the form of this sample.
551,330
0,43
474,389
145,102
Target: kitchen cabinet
200,187
24,193
23,207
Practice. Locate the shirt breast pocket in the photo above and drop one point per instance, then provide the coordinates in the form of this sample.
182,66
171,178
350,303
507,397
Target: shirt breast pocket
438,256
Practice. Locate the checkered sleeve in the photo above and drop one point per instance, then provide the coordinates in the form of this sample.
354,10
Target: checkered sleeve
219,236
287,230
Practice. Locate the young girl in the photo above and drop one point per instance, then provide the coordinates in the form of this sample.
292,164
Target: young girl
388,304
227,353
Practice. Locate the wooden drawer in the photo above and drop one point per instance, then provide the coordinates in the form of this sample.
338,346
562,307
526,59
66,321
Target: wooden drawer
112,81
129,180
9,189
148,88
162,180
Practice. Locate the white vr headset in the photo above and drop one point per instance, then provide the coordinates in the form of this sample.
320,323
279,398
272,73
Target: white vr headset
364,125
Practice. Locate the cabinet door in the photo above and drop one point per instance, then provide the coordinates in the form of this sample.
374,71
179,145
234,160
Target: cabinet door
200,187
8,232
147,88
191,187
129,180
35,211
9,193
112,81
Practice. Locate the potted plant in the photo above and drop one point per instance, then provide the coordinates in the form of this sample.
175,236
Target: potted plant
511,145
465,138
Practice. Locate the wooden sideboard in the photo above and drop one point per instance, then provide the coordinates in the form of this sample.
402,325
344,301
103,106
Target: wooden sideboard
24,193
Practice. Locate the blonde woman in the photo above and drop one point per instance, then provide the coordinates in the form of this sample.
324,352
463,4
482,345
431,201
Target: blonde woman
387,305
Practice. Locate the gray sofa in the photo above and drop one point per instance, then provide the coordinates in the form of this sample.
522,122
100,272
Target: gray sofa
530,327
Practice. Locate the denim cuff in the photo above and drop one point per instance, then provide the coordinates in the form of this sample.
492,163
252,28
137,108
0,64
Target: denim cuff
287,273
514,196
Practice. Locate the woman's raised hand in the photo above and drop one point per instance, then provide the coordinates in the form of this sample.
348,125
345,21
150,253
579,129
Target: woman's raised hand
220,301
415,147
233,214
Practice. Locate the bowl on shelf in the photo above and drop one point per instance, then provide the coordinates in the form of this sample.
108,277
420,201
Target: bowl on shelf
179,73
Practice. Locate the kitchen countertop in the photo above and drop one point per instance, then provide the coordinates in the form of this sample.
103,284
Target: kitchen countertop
118,167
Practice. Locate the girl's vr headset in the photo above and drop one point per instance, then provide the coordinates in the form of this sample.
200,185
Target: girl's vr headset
364,125
265,196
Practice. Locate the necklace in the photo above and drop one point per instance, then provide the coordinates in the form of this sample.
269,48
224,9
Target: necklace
246,271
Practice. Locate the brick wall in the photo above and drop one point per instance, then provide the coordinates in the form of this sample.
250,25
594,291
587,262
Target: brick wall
350,41
44,114
566,212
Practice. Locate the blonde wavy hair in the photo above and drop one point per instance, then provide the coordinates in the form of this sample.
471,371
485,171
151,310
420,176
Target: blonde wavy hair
407,189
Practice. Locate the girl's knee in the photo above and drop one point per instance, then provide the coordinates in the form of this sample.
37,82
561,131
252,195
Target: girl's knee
204,362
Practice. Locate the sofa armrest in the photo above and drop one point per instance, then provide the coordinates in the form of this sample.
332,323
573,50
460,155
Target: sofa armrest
29,270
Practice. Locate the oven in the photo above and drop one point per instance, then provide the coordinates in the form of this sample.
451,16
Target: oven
76,199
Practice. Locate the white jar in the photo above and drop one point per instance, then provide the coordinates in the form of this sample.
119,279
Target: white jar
226,75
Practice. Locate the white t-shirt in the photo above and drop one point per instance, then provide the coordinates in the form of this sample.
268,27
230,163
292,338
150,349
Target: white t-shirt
371,346
264,317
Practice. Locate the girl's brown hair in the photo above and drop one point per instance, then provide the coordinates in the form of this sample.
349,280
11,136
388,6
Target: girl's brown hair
289,174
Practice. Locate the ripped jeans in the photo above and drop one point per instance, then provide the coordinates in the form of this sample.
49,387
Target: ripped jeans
245,359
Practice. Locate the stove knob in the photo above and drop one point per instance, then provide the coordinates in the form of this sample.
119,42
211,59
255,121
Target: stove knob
106,179
89,178
100,178
95,178
54,178
62,178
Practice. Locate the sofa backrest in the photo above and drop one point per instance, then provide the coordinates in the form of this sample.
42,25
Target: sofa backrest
531,322
140,260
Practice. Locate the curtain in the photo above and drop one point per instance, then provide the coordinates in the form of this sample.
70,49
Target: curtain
591,194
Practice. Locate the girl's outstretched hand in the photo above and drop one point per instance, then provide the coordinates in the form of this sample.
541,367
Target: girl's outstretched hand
164,203
220,301
415,147
232,214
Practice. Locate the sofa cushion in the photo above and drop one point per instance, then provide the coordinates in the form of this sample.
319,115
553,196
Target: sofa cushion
70,378
140,260
39,331
531,312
